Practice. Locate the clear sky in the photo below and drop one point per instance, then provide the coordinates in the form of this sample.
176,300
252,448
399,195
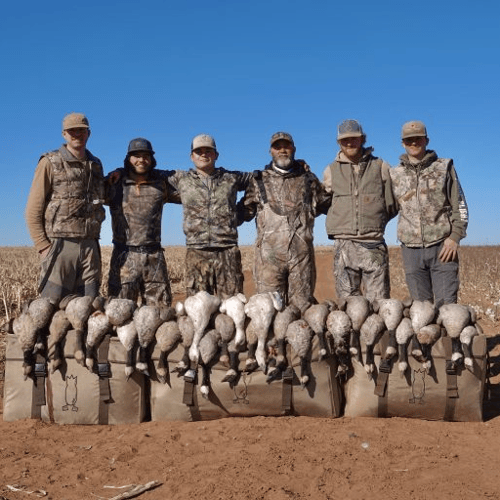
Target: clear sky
241,71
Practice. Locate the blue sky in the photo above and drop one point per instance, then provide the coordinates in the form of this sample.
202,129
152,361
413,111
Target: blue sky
240,71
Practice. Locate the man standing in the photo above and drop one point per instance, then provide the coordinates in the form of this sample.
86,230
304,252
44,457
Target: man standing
433,218
362,205
64,214
285,198
210,221
138,267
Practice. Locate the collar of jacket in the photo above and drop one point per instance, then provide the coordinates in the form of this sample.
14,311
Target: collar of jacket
67,156
218,172
294,171
342,158
429,158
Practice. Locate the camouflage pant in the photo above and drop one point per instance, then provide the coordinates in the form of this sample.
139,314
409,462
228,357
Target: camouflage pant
216,271
428,278
145,275
360,269
292,273
71,267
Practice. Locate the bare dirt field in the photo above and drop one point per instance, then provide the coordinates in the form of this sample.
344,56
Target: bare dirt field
261,457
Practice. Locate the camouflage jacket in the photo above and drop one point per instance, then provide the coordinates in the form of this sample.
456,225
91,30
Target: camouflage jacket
210,218
431,202
137,208
296,195
363,201
69,192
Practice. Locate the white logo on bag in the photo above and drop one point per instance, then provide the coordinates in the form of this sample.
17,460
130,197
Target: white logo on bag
417,386
70,393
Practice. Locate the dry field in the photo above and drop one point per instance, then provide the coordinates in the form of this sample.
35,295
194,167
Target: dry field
282,458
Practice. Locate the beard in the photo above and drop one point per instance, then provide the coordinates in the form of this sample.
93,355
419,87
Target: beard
284,162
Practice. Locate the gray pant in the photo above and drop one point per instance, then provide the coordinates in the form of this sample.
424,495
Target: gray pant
428,278
71,267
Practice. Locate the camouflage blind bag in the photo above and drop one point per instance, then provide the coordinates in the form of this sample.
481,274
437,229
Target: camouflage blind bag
440,393
178,399
73,394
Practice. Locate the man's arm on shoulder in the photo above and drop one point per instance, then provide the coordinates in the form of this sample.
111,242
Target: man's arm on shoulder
391,204
247,206
35,207
321,197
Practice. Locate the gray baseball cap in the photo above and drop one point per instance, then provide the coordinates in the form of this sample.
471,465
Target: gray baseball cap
349,128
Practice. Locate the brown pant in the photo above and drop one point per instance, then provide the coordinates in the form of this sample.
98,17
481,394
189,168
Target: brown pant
217,271
71,267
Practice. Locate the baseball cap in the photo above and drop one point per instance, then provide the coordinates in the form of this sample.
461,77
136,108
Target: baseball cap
281,135
413,129
140,144
349,128
203,141
75,120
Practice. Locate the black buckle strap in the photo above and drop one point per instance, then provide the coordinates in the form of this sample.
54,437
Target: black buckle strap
287,381
190,381
104,370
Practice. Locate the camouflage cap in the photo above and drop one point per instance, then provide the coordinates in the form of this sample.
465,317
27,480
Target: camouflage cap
413,129
75,120
203,141
349,128
282,135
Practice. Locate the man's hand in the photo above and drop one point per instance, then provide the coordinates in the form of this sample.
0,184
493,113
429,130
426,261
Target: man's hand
114,177
449,251
306,167
45,252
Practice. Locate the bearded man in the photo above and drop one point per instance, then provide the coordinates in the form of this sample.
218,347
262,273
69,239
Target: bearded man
285,198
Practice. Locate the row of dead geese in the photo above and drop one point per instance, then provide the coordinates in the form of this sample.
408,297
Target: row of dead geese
211,331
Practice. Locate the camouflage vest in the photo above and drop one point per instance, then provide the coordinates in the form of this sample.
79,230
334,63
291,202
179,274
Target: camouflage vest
358,204
136,211
74,209
286,209
424,209
209,207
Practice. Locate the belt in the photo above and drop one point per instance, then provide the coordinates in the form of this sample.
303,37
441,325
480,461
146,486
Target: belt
138,249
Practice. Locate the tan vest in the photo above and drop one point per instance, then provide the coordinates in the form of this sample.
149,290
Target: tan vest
358,204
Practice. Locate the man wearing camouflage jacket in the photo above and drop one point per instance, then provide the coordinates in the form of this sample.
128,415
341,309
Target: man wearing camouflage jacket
138,267
64,214
433,218
210,221
285,198
362,205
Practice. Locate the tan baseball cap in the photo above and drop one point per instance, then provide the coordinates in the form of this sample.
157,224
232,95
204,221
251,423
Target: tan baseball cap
75,120
203,141
282,135
413,129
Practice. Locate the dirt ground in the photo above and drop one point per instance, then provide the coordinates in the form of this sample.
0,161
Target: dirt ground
261,457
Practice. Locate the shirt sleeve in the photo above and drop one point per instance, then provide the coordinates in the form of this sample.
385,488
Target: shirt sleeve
459,209
322,199
327,179
247,206
391,204
37,201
